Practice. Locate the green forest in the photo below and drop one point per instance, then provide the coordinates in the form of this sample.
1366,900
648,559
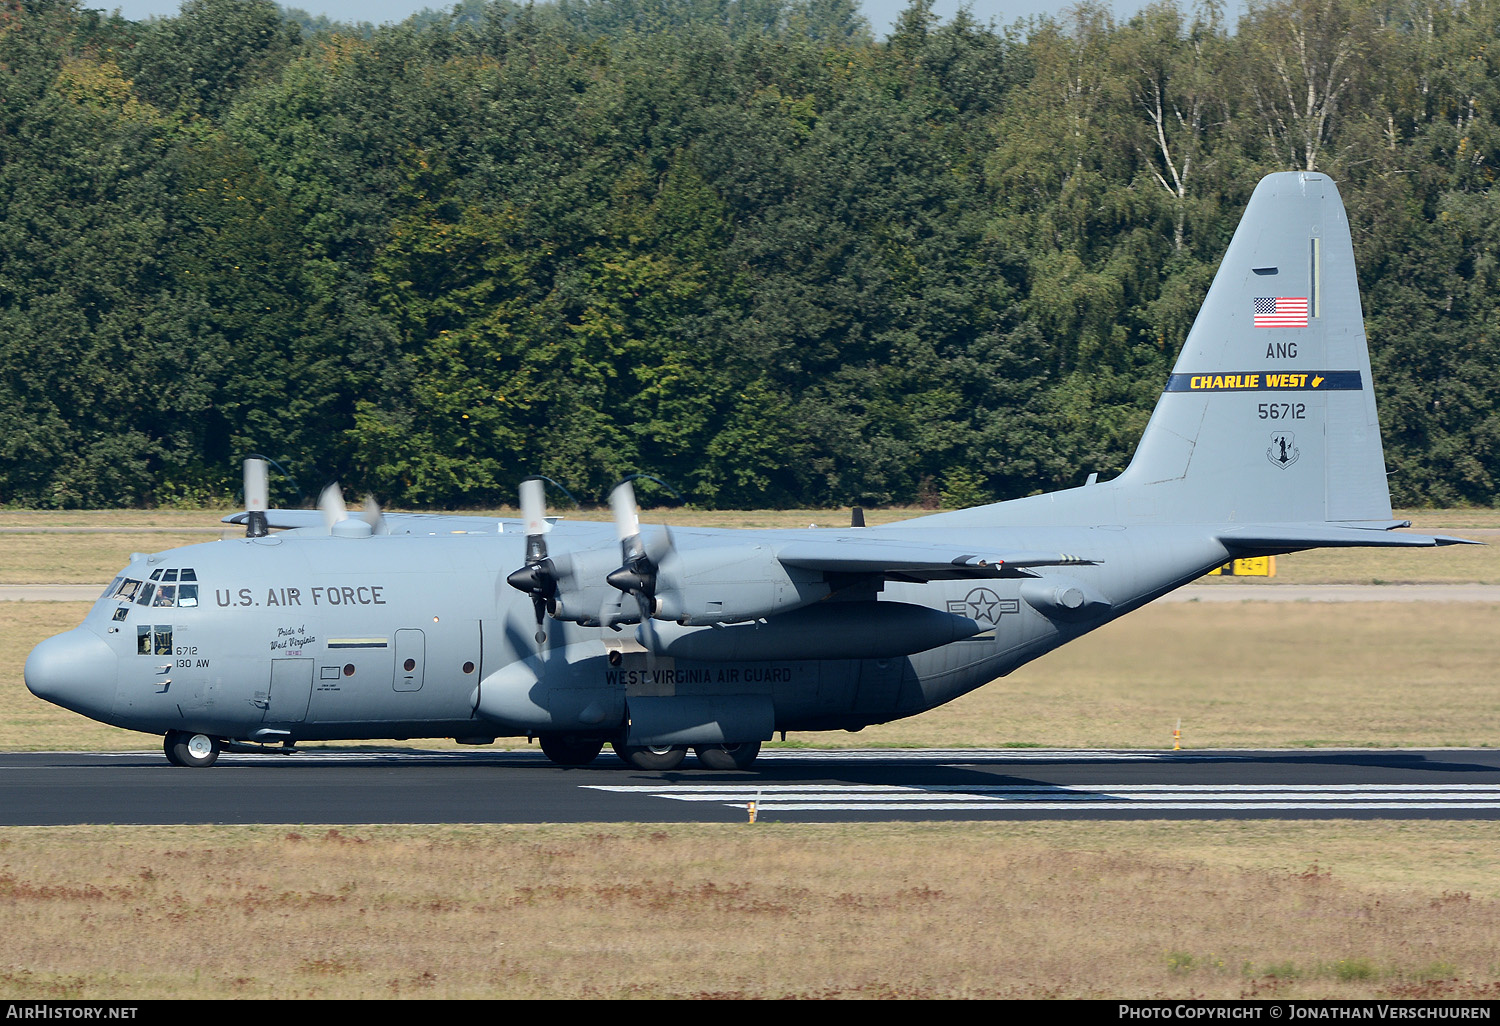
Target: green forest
740,245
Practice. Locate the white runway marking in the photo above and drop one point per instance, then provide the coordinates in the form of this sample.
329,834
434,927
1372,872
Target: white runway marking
1146,797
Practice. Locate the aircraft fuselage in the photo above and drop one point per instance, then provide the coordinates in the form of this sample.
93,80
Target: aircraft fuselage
306,637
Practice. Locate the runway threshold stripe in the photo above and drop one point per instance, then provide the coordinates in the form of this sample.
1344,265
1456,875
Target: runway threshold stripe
766,806
1145,797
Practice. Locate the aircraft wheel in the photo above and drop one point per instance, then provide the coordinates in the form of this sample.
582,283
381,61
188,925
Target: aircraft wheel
650,757
728,757
571,749
185,749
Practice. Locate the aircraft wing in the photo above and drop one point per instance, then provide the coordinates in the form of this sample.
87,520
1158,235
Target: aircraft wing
400,523
913,561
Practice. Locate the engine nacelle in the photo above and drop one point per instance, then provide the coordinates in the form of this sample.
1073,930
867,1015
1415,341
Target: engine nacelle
726,584
583,591
830,630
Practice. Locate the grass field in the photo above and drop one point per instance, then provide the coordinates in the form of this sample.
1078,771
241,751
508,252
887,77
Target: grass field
1333,909
1215,910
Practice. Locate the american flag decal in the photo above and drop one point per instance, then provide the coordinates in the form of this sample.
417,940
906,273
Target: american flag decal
1281,311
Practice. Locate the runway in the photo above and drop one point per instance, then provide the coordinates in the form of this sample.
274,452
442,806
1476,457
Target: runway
787,785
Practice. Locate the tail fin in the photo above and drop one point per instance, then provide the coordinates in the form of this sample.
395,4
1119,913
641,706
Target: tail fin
1269,415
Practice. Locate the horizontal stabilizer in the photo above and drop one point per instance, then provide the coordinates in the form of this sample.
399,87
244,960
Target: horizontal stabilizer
1310,536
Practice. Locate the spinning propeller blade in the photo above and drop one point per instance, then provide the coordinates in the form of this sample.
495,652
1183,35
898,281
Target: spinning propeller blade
331,504
538,578
639,572
371,515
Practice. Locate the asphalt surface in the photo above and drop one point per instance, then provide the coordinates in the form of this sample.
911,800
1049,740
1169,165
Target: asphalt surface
786,785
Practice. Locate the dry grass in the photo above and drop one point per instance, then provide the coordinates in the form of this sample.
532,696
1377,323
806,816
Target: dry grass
1453,564
990,910
79,558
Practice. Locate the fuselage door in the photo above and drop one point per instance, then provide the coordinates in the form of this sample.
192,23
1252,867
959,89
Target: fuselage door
411,651
291,687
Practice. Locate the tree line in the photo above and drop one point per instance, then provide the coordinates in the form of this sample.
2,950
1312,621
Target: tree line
740,245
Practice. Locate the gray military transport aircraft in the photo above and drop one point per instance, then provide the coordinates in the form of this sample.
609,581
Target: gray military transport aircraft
1264,441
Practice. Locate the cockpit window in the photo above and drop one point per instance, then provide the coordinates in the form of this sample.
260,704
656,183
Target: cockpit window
113,586
162,592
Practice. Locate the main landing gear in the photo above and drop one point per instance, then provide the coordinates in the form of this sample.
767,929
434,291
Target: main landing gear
184,749
727,757
581,750
668,757
571,749
650,757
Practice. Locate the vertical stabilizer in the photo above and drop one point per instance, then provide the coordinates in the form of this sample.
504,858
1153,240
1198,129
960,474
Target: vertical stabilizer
1269,414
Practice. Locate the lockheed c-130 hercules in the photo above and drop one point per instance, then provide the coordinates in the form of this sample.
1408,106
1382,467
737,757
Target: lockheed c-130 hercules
1264,441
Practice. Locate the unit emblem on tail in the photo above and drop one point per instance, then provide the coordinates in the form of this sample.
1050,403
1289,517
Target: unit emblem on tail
1283,451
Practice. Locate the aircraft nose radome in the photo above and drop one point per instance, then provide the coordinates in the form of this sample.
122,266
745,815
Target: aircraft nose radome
75,670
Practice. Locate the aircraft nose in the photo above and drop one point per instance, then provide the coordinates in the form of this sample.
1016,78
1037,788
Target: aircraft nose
75,670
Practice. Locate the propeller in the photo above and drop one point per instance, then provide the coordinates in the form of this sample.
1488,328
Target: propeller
371,514
538,578
257,498
639,572
331,505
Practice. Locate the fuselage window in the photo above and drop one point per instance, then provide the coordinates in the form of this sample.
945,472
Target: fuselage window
151,640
